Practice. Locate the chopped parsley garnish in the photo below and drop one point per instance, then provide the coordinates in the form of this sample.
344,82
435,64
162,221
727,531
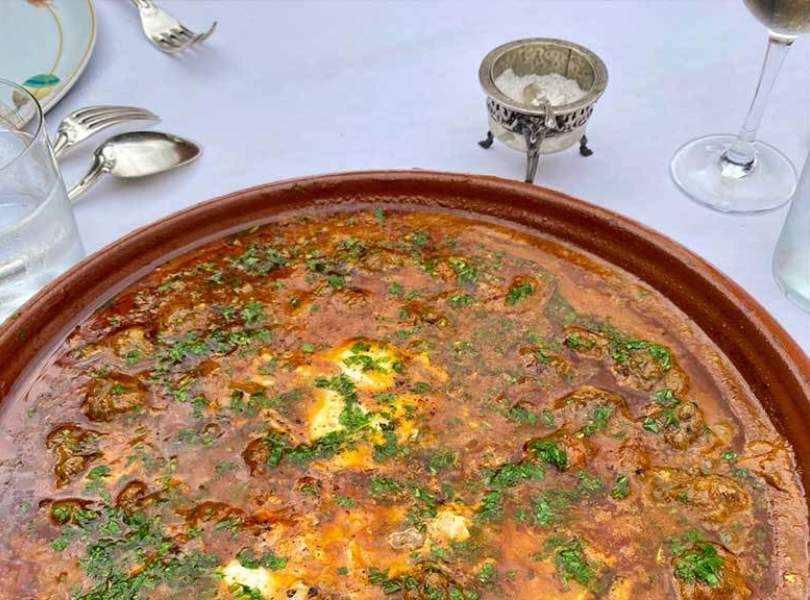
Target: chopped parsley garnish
346,502
548,419
511,474
324,447
577,342
268,560
599,420
549,507
466,274
423,509
521,415
388,449
571,562
621,488
278,448
519,292
421,388
550,452
115,557
99,472
621,349
418,585
459,300
487,574
491,508
697,562
666,398
664,419
260,260
650,424
588,484
419,239
276,443
360,358
382,488
352,417
442,460
253,312
218,341
336,281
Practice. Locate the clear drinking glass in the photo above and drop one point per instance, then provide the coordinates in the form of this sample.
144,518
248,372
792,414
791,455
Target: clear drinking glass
38,235
791,260
739,173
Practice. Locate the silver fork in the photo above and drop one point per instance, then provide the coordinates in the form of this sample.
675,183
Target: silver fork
81,124
166,32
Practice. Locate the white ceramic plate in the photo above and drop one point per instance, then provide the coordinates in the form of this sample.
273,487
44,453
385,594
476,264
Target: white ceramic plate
45,44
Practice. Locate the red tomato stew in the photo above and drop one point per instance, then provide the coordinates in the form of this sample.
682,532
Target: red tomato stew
400,405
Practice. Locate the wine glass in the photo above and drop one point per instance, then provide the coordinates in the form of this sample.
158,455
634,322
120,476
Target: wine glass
739,173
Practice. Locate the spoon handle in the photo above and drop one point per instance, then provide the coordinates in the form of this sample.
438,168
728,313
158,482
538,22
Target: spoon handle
98,167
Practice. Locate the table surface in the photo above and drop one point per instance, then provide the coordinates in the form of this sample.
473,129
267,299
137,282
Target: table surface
285,89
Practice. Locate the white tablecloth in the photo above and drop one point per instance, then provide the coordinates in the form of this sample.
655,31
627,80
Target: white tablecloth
285,89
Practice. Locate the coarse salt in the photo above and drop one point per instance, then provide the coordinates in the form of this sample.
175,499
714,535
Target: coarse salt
533,89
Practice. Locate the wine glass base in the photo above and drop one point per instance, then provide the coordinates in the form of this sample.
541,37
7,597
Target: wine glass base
696,170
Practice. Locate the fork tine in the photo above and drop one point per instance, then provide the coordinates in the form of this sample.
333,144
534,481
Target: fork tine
129,115
209,32
199,37
183,33
163,42
132,112
196,38
181,44
163,37
91,111
110,122
179,38
106,120
175,39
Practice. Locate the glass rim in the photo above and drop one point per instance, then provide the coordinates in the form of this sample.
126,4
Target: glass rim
38,114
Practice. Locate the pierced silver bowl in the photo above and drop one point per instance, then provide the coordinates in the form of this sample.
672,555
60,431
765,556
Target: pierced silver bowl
541,129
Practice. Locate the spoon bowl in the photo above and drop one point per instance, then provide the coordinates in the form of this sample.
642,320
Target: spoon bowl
136,154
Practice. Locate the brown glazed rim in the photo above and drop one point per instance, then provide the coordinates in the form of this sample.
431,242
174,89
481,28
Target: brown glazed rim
773,365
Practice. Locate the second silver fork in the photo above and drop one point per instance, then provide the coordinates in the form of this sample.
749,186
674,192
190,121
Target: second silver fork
85,122
166,32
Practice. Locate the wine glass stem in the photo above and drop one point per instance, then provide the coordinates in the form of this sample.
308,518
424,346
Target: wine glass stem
740,158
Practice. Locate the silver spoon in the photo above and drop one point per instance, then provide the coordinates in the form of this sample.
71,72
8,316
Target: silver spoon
136,154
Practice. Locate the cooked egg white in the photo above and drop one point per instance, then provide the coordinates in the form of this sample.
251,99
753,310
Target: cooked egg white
261,579
449,526
325,415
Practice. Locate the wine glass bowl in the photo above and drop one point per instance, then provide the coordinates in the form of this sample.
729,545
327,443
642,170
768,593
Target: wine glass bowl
788,18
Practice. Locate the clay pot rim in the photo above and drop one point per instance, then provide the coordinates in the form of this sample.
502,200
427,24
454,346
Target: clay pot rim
728,314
